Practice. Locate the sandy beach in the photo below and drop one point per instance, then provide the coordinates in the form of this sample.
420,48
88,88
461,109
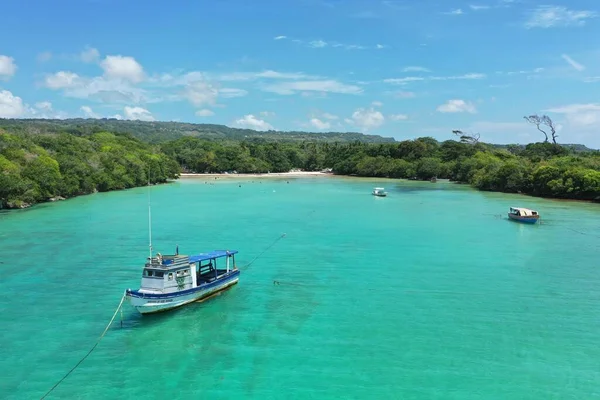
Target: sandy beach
295,174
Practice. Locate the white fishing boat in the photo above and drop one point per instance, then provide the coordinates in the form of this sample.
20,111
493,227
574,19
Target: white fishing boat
172,281
379,191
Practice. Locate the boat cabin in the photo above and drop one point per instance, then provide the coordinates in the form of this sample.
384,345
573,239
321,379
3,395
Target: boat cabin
379,191
523,212
174,273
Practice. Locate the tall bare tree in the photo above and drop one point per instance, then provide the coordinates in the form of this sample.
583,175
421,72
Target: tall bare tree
465,138
546,121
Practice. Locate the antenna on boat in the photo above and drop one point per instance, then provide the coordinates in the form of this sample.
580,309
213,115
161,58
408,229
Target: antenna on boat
149,218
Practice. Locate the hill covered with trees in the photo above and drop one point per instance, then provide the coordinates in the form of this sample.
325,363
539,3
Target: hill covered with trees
157,132
39,160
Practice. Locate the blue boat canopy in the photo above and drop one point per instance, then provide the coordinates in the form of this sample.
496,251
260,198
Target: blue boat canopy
211,255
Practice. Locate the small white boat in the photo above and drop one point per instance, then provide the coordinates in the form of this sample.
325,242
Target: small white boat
524,215
379,191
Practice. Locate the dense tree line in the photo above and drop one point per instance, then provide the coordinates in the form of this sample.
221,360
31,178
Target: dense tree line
540,169
36,168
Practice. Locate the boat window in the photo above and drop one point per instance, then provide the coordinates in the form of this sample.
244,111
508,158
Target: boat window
149,272
160,274
178,273
170,276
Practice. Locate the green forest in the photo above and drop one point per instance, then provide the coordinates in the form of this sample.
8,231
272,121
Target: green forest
38,165
38,168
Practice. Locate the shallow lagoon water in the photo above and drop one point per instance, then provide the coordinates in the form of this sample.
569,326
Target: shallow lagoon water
430,293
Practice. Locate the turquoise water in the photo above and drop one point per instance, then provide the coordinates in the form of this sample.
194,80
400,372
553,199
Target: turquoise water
430,293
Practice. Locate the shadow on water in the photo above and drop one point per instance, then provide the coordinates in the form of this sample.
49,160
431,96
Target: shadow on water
133,319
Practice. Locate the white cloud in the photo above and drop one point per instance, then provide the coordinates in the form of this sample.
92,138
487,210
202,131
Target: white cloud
457,11
201,93
366,119
122,67
591,79
521,72
45,106
11,106
377,104
44,56
231,92
581,122
138,113
415,69
267,74
465,76
281,75
319,124
573,63
251,122
329,116
409,79
350,46
88,112
280,37
317,43
403,81
402,94
331,86
99,88
558,16
579,115
267,114
204,113
476,7
398,117
89,55
457,106
62,80
7,67
44,110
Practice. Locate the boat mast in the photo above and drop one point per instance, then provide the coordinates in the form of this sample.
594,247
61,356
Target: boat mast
149,218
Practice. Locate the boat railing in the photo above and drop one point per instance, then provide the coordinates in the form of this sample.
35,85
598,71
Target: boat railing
168,261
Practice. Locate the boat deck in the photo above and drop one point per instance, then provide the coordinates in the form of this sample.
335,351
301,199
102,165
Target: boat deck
209,276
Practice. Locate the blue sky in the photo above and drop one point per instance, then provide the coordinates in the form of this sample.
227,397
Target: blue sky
396,68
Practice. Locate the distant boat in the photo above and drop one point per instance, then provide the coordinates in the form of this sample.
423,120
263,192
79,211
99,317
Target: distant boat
433,180
172,281
380,192
524,215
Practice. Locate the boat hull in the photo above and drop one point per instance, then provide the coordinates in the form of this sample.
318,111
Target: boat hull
525,220
147,303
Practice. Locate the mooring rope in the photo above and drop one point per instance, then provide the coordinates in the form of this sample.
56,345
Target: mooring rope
583,233
263,252
89,352
274,243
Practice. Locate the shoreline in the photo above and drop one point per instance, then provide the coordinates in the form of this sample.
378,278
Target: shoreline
295,174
